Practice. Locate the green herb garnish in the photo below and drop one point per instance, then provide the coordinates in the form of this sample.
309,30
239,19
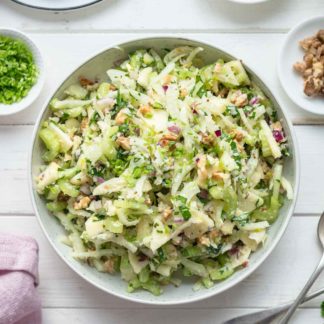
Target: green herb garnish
18,71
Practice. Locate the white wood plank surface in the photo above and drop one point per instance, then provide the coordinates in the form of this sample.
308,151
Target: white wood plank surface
160,316
15,142
259,51
278,279
140,15
252,33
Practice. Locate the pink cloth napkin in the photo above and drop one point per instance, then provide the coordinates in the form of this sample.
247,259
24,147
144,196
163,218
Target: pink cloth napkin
19,299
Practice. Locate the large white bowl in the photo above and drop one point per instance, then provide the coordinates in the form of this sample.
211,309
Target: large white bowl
36,89
95,67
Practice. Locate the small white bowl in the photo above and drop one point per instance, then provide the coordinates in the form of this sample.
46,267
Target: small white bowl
34,92
291,53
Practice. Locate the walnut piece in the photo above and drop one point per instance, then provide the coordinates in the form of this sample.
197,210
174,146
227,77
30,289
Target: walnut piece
120,117
145,109
312,67
82,204
239,99
167,213
123,142
109,266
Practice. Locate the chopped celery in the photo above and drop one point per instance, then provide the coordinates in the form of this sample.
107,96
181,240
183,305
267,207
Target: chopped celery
223,259
73,112
51,142
222,273
136,59
232,74
192,251
68,103
53,192
64,139
270,210
133,285
269,144
195,268
216,192
126,269
69,173
230,200
113,225
76,91
152,286
67,188
72,123
207,282
56,206
239,72
144,275
103,90
148,59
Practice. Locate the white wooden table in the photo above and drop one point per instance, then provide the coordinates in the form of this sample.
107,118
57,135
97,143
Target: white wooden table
253,33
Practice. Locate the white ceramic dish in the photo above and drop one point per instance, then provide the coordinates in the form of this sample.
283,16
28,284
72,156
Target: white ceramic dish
95,67
34,92
248,1
56,5
290,53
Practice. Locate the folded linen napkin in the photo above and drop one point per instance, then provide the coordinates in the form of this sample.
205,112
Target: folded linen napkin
19,299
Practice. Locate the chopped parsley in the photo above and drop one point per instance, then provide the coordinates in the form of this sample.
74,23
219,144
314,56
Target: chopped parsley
18,71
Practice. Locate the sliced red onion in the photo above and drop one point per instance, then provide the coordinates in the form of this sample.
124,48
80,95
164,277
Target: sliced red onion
165,88
278,135
178,220
245,264
254,101
218,133
98,179
174,129
142,257
234,250
203,194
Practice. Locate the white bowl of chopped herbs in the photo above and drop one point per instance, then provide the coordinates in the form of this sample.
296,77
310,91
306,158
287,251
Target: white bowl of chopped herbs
21,71
166,162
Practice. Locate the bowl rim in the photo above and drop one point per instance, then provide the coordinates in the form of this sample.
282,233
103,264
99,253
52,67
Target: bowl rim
209,293
280,62
70,8
248,2
30,98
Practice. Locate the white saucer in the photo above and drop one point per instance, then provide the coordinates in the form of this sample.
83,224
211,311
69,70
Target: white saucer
290,53
248,1
56,4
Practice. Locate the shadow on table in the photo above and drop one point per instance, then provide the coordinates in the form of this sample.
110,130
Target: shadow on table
73,15
249,13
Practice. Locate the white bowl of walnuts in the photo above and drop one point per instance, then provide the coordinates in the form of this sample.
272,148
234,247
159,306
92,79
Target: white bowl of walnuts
301,65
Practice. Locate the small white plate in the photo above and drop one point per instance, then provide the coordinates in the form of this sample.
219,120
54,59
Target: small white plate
34,92
290,53
248,1
56,4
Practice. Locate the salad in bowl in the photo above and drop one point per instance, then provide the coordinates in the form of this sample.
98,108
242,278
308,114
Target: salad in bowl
169,168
